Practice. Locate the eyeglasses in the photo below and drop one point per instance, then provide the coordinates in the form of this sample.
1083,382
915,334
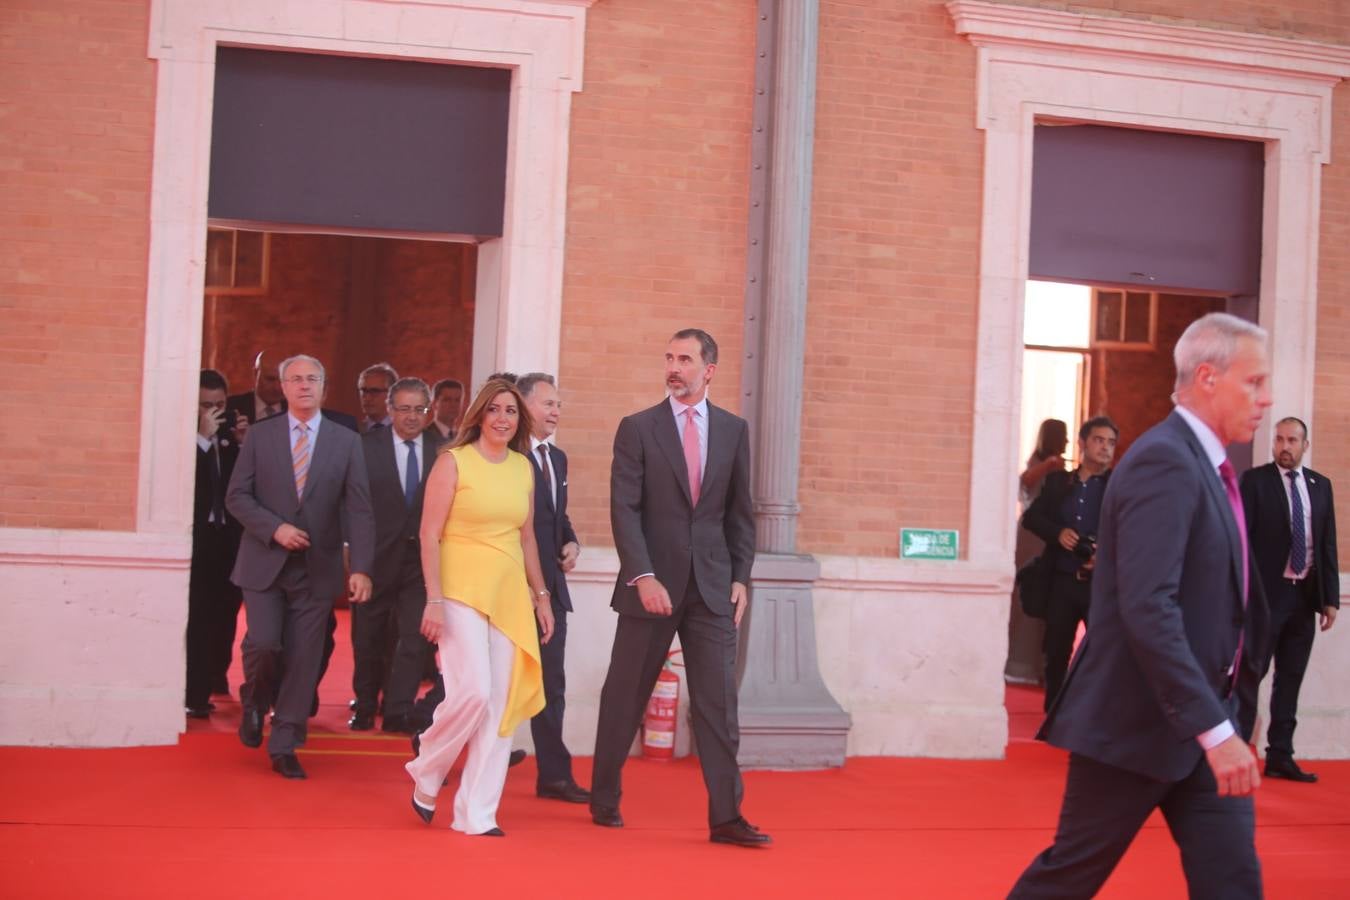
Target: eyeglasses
303,379
374,390
404,410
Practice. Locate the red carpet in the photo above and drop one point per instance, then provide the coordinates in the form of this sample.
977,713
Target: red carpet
208,818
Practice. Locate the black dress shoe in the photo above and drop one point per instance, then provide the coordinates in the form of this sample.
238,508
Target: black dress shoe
361,722
1285,767
491,832
351,704
422,812
739,832
568,791
198,712
607,816
417,745
409,724
250,727
287,766
517,757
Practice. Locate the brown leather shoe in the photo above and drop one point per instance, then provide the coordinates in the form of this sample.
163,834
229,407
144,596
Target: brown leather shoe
568,791
739,832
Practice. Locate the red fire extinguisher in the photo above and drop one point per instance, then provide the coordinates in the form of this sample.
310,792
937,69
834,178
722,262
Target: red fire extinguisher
658,726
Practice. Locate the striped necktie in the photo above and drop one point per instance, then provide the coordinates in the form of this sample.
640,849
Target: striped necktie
300,458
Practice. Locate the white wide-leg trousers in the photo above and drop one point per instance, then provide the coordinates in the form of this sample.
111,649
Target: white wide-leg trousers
476,664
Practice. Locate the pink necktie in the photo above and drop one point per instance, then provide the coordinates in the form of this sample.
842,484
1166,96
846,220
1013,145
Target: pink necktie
691,458
1230,486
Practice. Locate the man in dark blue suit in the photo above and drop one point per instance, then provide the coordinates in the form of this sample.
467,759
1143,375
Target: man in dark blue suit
1150,707
558,551
1291,518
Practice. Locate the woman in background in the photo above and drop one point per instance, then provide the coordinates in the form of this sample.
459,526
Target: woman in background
485,590
1026,662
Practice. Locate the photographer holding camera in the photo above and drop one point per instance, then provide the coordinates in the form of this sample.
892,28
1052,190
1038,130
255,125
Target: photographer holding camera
1065,516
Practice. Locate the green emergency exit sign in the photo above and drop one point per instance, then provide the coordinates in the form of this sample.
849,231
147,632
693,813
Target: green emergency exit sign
929,543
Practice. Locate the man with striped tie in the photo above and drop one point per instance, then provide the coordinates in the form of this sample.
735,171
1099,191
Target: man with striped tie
298,489
1292,521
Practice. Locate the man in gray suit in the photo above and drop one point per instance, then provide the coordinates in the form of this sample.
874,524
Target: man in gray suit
685,532
299,486
1155,710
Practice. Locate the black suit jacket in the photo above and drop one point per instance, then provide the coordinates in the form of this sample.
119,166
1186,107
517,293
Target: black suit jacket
1153,671
656,526
552,527
243,405
395,521
1042,518
208,483
1267,508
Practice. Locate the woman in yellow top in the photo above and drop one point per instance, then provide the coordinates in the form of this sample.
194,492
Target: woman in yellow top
484,592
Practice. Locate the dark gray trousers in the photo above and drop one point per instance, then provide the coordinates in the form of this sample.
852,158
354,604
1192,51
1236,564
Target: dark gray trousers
640,647
409,601
552,757
282,651
1104,808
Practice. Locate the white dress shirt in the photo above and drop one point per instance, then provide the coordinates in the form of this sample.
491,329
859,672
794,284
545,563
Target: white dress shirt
402,455
1216,454
701,421
546,459
1302,480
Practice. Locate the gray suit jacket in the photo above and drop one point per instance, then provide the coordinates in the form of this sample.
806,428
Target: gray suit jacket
656,527
262,495
1152,673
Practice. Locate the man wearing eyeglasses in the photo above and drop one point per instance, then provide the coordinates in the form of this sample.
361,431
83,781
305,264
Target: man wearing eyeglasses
372,388
298,488
387,646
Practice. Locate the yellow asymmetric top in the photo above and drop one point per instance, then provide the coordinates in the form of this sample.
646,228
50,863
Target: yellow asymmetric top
483,566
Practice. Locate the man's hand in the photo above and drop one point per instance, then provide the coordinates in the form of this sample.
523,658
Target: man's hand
208,422
290,537
653,595
1068,538
543,611
1328,617
358,587
567,560
1234,767
739,601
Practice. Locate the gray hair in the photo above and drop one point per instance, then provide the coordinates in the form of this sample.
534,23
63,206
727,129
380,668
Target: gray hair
300,357
382,367
408,384
1211,339
527,382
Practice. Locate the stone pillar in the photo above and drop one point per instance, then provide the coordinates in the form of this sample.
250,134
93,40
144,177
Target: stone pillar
788,718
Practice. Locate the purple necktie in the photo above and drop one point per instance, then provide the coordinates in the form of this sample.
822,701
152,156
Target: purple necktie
1230,486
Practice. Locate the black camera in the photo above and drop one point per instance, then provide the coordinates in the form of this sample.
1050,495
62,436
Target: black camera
228,422
1085,548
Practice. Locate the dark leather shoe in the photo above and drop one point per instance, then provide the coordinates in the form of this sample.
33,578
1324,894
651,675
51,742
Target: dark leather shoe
422,812
198,712
417,745
250,727
491,832
409,724
568,791
361,722
287,766
739,832
1286,768
606,816
517,757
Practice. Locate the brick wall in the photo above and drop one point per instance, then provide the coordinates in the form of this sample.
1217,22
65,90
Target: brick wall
656,227
351,302
76,126
891,324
